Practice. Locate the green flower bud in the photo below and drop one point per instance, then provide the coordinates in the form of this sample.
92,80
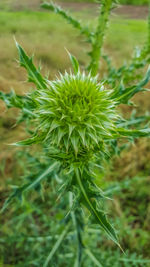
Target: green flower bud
75,114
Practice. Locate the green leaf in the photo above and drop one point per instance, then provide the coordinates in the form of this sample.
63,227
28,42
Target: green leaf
33,140
74,22
33,73
19,191
132,133
99,215
22,102
75,63
125,94
134,121
13,100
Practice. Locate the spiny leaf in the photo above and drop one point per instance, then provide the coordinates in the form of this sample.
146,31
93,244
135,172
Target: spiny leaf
75,63
22,102
123,96
99,216
19,191
134,120
13,100
33,73
74,22
32,140
132,133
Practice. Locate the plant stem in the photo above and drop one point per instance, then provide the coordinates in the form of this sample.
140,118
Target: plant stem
99,36
75,214
56,246
92,257
148,38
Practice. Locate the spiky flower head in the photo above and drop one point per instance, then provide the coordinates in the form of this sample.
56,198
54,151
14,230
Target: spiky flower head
75,113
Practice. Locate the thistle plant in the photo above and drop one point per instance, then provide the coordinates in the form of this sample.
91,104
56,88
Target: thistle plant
74,118
76,121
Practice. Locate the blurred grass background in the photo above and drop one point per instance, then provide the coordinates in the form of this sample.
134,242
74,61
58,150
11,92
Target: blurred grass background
46,35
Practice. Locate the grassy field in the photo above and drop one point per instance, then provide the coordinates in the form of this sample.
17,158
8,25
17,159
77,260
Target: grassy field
46,35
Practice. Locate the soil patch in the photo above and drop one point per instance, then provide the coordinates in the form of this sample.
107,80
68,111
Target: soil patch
132,12
127,11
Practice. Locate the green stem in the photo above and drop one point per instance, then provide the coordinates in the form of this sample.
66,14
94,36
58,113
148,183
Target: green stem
56,246
99,36
92,257
146,48
148,38
76,223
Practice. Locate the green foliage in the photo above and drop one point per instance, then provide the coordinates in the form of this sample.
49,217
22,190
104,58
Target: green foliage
40,225
76,121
